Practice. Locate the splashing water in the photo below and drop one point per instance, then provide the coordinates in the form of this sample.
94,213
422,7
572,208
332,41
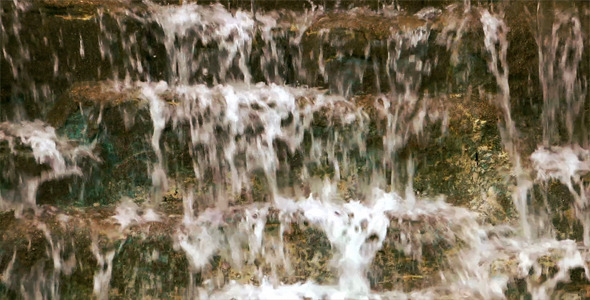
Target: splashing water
232,34
47,150
560,55
567,165
215,152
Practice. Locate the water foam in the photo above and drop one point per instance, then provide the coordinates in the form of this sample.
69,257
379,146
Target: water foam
55,152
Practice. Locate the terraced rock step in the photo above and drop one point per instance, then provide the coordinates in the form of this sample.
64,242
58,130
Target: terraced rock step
258,5
345,51
121,120
435,49
118,119
288,149
135,247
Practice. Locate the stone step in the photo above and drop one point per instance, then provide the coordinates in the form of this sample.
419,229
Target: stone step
466,128
345,52
148,257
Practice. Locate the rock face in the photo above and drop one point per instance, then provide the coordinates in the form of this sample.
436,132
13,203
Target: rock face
184,128
81,5
91,245
119,119
368,25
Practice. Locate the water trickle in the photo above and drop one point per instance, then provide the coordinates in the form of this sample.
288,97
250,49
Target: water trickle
214,152
567,165
103,275
560,53
185,26
496,44
54,158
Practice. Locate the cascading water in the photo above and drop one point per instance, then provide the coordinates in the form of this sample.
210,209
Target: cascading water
311,150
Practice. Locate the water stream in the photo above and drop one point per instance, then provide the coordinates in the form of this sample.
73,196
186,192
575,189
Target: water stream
296,150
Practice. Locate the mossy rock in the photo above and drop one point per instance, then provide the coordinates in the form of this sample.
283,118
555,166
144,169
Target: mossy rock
79,9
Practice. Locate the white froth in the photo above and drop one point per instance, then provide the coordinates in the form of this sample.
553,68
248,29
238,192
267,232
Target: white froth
48,149
562,163
128,213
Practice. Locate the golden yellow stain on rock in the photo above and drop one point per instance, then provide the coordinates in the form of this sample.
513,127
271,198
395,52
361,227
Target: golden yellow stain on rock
74,17
370,26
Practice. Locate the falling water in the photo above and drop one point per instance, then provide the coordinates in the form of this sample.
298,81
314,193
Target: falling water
310,150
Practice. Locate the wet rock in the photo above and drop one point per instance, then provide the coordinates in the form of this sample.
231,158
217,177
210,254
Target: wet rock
452,138
457,149
67,236
348,51
365,24
428,13
417,247
144,256
118,122
80,6
467,163
94,96
33,154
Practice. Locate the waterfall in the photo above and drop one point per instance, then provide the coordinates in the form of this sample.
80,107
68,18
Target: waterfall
293,149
